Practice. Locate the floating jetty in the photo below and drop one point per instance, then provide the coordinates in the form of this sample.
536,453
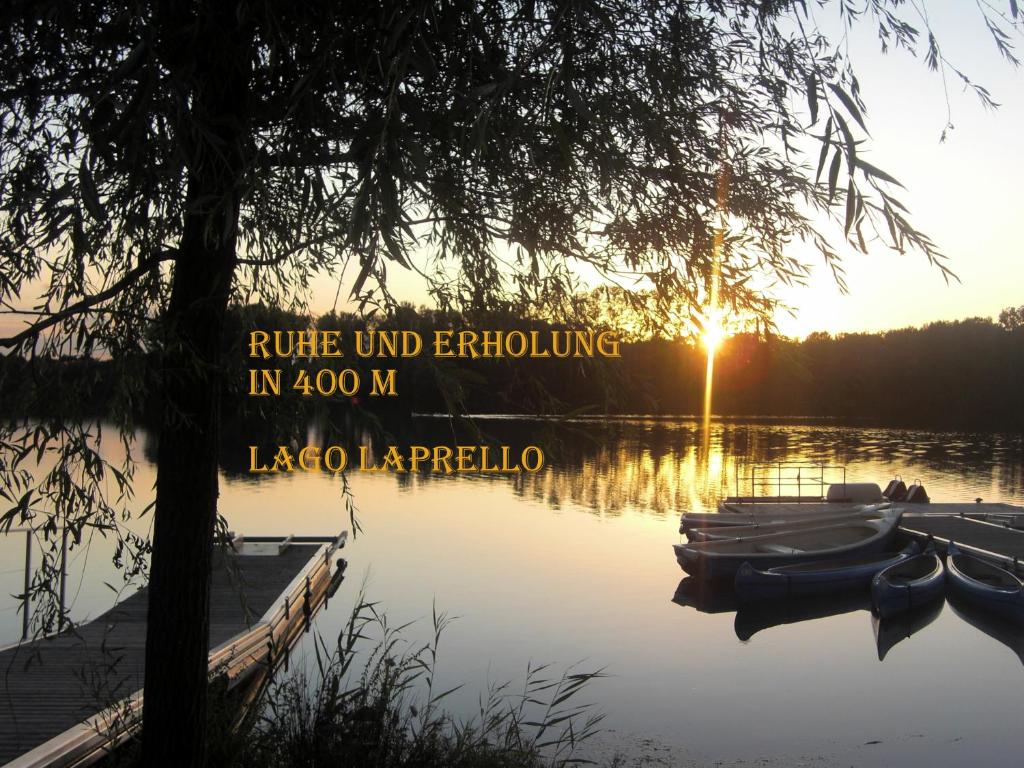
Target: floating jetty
986,530
70,698
993,531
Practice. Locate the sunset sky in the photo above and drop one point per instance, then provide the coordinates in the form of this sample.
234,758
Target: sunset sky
963,193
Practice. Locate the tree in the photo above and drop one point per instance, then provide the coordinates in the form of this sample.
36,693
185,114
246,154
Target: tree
1012,318
158,160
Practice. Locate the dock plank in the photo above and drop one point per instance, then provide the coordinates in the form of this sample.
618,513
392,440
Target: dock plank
52,684
1000,540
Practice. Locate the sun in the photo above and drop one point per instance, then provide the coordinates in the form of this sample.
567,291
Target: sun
713,336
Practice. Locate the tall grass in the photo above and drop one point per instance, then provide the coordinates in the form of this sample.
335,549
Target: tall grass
373,702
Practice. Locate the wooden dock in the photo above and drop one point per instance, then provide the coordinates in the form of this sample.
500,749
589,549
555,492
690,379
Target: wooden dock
69,698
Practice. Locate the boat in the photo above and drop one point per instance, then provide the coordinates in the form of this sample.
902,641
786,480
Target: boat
774,526
985,584
723,558
895,629
738,515
816,577
908,584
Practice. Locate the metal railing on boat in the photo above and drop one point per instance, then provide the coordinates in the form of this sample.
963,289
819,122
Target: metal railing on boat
781,476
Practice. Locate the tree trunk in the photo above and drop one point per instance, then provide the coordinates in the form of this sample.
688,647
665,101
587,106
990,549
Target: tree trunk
177,635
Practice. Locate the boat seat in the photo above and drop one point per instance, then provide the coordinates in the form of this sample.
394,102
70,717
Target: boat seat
778,549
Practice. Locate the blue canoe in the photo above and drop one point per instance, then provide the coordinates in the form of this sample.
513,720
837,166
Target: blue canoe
985,585
910,584
817,577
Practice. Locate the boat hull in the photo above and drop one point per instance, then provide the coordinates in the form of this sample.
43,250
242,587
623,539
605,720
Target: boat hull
778,526
720,560
739,515
814,578
964,572
910,584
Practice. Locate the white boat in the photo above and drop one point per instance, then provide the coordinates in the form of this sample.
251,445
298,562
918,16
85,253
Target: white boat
776,526
734,515
721,559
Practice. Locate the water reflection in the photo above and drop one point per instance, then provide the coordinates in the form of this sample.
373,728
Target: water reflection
662,467
704,596
896,629
996,627
574,563
751,619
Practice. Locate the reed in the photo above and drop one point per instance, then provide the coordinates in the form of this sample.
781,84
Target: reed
374,702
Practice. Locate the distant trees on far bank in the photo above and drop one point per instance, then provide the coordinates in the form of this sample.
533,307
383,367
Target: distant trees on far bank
1012,318
965,374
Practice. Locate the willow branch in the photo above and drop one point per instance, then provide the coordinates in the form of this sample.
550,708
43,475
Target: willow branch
311,243
88,302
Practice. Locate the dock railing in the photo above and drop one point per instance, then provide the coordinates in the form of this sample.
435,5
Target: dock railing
777,481
25,597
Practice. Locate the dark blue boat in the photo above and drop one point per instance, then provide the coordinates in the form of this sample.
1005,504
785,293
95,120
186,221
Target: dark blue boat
818,577
985,585
909,584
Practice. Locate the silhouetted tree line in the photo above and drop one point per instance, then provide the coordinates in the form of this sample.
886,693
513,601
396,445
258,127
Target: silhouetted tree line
965,374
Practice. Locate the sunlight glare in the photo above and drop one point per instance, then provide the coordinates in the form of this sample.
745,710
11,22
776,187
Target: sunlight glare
713,336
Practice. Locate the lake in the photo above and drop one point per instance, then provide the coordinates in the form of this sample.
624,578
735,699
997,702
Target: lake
574,564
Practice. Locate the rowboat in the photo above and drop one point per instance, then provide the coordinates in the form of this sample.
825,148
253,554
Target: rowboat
895,629
764,528
909,584
722,559
816,577
739,515
985,584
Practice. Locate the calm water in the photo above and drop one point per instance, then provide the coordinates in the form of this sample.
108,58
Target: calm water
575,565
